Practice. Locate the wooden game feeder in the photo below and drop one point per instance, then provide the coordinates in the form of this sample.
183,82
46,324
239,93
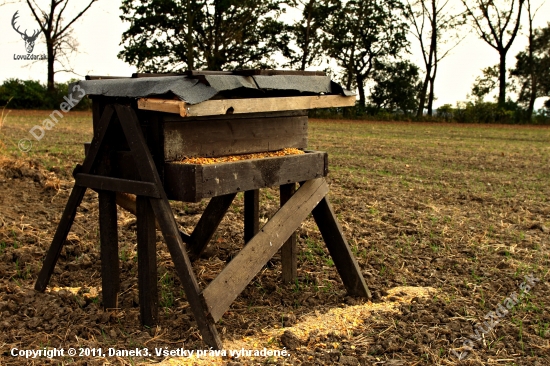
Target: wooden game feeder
141,133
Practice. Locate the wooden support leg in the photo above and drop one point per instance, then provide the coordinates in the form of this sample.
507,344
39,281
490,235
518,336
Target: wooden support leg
183,266
289,249
208,223
147,262
75,199
339,249
221,292
165,218
128,202
108,232
251,214
59,238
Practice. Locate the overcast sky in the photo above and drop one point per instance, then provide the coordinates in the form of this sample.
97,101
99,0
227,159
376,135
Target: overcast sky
99,34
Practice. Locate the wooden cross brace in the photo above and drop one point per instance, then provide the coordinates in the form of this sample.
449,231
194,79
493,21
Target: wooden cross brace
210,304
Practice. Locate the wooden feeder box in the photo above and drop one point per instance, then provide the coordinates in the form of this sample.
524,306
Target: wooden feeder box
145,125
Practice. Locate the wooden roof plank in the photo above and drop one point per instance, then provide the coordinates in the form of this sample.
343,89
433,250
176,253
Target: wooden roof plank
160,105
239,106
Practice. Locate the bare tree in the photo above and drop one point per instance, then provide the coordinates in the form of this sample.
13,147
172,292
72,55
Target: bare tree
498,27
434,23
58,33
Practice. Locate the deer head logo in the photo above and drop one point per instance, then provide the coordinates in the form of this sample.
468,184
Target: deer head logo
29,40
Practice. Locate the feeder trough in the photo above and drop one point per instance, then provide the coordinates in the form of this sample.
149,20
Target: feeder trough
205,135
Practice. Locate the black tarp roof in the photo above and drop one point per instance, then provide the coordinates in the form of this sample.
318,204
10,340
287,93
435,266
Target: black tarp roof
196,90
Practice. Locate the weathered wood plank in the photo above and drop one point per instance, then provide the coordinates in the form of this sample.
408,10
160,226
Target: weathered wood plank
128,202
58,240
238,106
278,72
167,117
87,147
108,233
251,214
289,250
241,270
124,166
155,138
99,77
98,106
147,262
208,223
165,218
117,185
233,136
184,269
339,249
181,182
234,72
206,72
100,130
191,183
153,74
160,105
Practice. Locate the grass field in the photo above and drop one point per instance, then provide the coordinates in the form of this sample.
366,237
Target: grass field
446,220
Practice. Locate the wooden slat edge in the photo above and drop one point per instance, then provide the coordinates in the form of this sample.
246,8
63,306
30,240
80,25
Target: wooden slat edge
278,72
99,77
117,185
241,106
160,105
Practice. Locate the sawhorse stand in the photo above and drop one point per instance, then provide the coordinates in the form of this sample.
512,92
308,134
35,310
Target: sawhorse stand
119,128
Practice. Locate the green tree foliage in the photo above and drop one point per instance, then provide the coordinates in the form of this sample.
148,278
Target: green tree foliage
497,23
397,87
484,112
358,32
485,84
31,94
532,69
307,33
27,94
173,35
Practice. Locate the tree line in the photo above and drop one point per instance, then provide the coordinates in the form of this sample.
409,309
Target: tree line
364,44
366,39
